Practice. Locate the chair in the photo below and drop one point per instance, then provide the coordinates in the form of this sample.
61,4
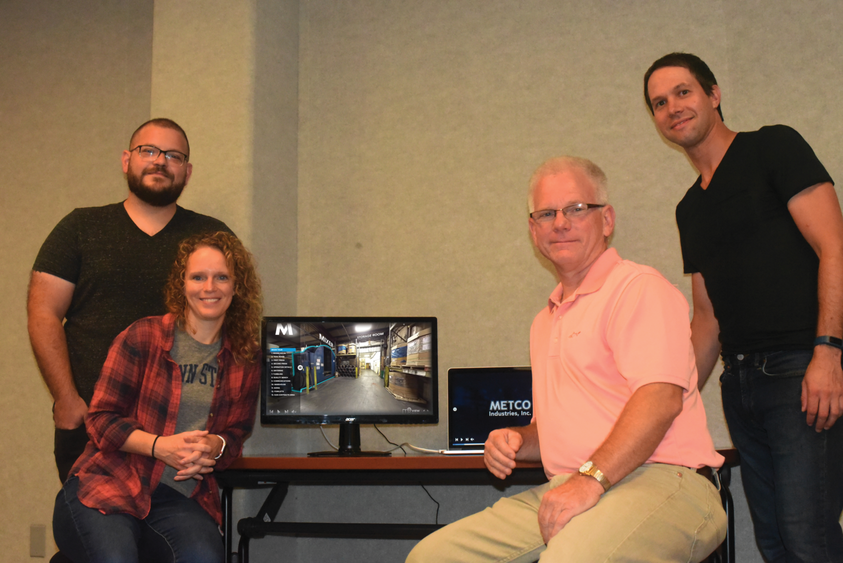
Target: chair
725,552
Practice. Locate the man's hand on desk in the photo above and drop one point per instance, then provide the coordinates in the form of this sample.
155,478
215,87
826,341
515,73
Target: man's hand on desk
501,448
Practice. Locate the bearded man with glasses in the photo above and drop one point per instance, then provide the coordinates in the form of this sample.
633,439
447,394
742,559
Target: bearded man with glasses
102,268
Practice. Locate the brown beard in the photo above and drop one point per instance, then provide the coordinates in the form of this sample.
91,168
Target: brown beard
157,198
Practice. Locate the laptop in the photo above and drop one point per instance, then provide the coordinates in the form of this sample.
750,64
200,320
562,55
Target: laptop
483,399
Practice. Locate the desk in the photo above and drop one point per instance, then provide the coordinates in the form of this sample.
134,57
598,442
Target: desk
279,472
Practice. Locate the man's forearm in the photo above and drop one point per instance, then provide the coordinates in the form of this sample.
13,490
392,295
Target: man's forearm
47,302
705,330
705,333
49,345
829,288
822,386
639,430
816,212
530,446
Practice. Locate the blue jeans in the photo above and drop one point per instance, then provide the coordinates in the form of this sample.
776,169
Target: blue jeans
792,475
177,530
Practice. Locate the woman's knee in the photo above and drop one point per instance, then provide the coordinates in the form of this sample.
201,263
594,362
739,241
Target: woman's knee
210,553
182,546
87,536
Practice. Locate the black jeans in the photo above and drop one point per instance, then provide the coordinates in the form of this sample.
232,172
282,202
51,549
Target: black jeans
67,447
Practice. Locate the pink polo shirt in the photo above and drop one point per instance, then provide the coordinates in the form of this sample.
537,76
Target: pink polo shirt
624,327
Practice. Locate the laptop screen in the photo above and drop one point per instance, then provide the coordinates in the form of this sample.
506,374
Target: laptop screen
483,399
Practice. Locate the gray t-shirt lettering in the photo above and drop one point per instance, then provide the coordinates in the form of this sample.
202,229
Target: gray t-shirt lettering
199,368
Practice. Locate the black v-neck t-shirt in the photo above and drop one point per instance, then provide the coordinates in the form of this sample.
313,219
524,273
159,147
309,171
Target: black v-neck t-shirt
119,272
760,272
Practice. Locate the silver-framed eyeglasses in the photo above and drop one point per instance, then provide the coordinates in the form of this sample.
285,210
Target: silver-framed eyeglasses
569,212
149,153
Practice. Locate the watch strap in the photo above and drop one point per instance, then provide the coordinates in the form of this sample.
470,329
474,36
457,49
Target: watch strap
832,341
590,470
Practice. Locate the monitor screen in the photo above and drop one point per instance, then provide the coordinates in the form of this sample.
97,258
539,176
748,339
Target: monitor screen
349,370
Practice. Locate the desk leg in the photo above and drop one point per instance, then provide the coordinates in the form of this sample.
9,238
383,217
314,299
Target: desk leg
268,511
243,550
728,504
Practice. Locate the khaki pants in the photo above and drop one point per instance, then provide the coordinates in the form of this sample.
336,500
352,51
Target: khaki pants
658,513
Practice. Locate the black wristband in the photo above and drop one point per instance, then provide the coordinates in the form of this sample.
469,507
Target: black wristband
832,341
153,446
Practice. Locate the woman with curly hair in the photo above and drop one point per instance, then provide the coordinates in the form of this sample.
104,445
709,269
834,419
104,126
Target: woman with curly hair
175,402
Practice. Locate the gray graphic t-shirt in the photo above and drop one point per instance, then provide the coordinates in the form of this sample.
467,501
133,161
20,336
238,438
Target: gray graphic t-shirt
199,369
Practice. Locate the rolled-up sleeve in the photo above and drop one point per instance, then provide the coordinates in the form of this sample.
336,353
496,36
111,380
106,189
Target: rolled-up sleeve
110,418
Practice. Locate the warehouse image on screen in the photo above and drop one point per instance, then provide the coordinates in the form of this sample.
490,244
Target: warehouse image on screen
316,370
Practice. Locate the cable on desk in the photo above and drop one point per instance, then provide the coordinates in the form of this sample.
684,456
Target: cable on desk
390,442
322,430
422,450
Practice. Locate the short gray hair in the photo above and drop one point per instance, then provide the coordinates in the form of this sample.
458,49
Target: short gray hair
564,163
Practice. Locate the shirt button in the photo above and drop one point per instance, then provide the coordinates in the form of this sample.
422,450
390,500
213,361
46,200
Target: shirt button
210,414
740,356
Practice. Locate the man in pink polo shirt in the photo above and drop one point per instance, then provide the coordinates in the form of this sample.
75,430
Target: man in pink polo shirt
618,422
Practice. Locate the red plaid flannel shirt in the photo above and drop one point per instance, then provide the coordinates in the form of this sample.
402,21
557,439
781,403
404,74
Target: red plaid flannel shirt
140,388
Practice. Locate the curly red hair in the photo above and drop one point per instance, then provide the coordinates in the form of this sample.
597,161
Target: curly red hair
242,322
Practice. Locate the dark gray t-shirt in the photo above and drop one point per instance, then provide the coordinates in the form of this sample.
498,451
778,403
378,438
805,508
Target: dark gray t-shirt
119,272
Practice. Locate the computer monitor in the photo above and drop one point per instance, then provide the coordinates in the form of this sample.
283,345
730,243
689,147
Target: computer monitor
349,371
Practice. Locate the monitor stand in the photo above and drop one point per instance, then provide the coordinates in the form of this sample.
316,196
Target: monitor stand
349,444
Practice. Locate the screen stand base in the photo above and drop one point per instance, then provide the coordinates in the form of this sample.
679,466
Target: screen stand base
349,444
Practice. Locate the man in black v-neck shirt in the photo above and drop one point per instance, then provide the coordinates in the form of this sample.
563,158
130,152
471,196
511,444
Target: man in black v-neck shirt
762,237
101,269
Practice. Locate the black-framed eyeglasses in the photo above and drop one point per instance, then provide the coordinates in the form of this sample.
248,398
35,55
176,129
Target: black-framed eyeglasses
149,153
570,212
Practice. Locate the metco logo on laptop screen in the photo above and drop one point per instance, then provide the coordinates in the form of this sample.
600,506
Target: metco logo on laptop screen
483,399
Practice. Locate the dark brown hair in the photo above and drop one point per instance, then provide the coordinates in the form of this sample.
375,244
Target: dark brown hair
166,123
695,66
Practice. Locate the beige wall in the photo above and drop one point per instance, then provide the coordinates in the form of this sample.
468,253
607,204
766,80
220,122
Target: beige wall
374,154
74,85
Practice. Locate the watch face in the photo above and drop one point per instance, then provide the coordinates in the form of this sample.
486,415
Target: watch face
586,466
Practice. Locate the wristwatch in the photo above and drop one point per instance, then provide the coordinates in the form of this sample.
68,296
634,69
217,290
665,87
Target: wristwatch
832,341
588,468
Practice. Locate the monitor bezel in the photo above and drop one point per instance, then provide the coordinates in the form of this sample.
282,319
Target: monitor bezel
430,417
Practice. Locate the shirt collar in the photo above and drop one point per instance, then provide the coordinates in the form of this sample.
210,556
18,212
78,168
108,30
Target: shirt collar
169,323
593,281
